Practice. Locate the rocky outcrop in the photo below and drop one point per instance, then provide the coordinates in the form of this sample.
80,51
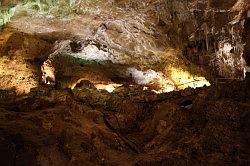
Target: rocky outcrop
216,39
208,32
126,127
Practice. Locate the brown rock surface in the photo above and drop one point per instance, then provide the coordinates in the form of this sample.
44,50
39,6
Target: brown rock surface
50,124
79,128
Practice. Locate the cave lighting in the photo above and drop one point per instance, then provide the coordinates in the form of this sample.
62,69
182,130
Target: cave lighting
183,79
165,86
108,87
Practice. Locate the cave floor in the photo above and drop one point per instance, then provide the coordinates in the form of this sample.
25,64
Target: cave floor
127,127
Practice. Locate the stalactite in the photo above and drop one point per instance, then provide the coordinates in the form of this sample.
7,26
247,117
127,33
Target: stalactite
204,27
232,34
206,33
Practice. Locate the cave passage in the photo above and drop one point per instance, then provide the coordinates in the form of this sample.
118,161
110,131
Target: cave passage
124,82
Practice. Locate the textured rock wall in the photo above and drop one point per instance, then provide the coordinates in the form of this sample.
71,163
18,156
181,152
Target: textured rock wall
206,30
246,37
209,32
212,33
8,3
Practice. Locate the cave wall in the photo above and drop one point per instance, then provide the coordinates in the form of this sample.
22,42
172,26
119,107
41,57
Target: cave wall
8,3
209,33
246,35
217,41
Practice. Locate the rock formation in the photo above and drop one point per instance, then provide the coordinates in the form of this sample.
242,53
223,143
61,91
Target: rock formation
85,82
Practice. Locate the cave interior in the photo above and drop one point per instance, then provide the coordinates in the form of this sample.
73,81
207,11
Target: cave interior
124,82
